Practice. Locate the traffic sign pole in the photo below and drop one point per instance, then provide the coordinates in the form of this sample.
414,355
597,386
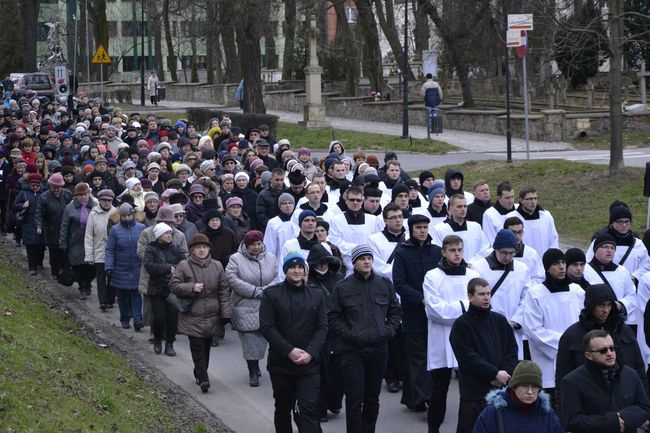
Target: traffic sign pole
101,58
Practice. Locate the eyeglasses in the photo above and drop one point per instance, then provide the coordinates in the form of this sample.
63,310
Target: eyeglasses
604,350
355,200
623,222
506,253
531,198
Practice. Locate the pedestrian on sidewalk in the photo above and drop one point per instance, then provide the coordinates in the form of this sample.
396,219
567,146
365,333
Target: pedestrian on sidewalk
202,279
293,318
27,201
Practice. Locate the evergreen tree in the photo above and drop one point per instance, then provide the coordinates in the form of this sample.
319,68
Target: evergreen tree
11,47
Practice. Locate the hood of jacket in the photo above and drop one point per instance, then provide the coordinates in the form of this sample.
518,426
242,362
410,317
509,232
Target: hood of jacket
596,294
499,399
318,253
453,172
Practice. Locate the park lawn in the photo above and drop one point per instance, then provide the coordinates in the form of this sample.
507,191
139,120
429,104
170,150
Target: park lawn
54,379
577,194
630,139
352,140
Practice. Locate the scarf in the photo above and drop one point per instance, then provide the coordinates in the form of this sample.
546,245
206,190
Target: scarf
83,217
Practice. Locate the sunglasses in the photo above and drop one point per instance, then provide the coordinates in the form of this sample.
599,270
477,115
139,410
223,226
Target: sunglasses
604,350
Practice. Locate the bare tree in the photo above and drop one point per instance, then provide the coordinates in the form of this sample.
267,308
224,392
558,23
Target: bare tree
388,27
371,51
421,33
171,57
345,40
288,63
615,47
227,30
248,39
29,15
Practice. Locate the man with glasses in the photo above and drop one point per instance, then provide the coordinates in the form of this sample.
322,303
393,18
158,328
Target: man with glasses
539,225
630,251
509,279
600,312
353,227
602,395
486,350
314,203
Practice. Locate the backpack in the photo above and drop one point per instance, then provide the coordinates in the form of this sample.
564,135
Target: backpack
432,97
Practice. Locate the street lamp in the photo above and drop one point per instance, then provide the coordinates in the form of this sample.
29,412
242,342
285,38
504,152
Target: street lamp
142,55
405,65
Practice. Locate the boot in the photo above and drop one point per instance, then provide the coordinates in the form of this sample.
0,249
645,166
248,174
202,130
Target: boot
157,347
254,378
169,349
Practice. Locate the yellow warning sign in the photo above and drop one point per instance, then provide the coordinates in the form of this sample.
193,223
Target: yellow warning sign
101,56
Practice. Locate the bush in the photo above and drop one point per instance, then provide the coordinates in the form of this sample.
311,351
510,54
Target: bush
201,117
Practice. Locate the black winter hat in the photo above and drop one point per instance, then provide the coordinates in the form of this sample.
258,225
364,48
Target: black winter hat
424,175
574,255
618,213
178,197
212,213
604,239
552,255
400,188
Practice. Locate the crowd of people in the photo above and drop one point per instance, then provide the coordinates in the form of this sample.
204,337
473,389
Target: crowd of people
342,272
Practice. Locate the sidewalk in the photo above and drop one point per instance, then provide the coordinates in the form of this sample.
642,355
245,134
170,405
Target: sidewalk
468,141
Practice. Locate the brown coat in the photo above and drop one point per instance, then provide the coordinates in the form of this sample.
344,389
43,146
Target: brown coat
211,305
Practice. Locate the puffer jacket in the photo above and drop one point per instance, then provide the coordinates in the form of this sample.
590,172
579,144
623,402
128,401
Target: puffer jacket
158,261
96,234
121,255
248,277
72,236
211,305
267,206
540,419
49,213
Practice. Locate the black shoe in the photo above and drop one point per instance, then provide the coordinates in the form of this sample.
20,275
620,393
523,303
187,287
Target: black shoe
420,407
82,295
254,379
169,349
125,325
393,387
32,273
138,326
157,347
323,418
198,381
18,243
102,307
215,341
335,411
204,386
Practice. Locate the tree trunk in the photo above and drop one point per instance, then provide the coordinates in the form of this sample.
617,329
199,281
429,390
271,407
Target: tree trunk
29,15
212,40
387,23
171,57
421,33
156,24
271,58
345,38
615,21
372,52
289,60
249,44
12,49
97,10
227,32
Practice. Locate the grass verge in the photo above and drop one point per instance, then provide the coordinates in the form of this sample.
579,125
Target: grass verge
54,379
352,140
577,194
601,142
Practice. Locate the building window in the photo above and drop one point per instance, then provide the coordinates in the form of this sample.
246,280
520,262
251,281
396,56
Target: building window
127,29
112,29
186,62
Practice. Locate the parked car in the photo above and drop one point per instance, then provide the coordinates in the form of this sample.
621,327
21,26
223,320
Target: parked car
39,82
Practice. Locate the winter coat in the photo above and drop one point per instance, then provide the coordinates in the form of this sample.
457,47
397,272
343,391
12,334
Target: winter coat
49,213
72,236
541,419
189,230
571,353
293,316
249,197
29,224
146,237
158,261
267,206
589,405
96,234
210,306
365,313
121,255
248,277
411,264
223,243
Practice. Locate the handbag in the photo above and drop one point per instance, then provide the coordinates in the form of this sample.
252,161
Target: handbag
20,216
183,304
66,276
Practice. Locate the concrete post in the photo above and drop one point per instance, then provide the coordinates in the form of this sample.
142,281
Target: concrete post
313,110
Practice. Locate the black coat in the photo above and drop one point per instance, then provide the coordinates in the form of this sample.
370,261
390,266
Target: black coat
158,261
267,206
49,213
293,316
484,344
249,197
571,354
589,406
364,313
410,265
476,210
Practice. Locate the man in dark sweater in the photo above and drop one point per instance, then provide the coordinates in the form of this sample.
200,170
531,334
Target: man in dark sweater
293,318
485,347
482,202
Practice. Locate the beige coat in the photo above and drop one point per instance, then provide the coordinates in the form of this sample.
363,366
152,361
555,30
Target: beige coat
96,235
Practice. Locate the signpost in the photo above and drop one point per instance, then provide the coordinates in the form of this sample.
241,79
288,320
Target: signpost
516,37
101,58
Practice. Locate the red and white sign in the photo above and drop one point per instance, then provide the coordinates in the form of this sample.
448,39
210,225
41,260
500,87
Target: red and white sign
520,22
513,39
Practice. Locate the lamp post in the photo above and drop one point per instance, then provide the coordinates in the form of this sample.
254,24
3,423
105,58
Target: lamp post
142,55
405,113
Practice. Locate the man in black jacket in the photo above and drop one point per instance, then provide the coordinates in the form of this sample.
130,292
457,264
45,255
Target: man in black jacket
365,313
603,395
293,318
413,259
486,350
600,312
267,200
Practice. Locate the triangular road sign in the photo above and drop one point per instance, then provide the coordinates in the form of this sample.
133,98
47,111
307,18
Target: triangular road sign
101,56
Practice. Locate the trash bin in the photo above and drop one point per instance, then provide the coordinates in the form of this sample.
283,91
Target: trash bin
161,93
